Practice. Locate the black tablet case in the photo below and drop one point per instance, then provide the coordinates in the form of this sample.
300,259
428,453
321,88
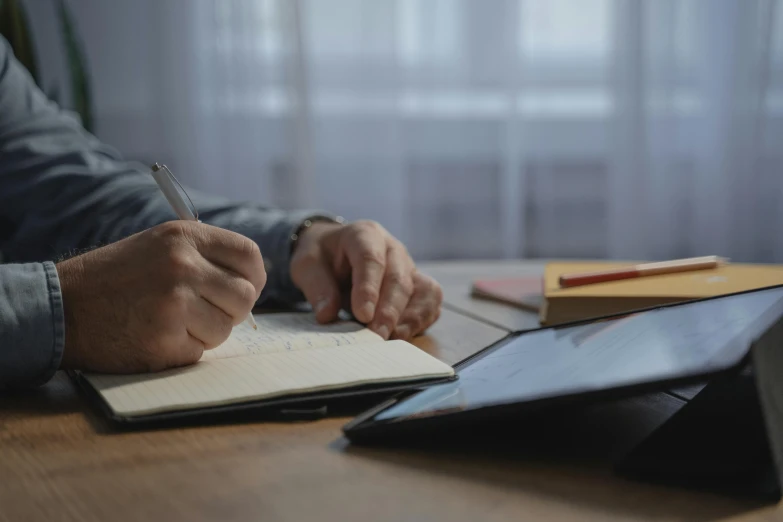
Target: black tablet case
303,406
728,438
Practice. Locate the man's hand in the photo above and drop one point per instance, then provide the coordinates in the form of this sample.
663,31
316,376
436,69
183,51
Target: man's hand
157,299
361,267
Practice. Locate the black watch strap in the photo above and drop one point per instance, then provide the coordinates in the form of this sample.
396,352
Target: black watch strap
307,223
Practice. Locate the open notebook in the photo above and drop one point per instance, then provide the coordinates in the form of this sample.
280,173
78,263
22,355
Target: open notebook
289,354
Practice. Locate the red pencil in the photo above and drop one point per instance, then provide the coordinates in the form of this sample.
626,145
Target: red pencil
641,270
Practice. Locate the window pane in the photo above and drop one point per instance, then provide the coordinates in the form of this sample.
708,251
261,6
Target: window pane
571,29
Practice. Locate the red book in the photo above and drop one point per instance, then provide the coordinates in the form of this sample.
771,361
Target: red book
522,292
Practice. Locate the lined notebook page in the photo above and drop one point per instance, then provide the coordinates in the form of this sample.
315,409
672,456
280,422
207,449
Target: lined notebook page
273,374
286,332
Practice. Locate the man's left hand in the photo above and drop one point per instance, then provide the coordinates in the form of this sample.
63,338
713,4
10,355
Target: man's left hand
361,267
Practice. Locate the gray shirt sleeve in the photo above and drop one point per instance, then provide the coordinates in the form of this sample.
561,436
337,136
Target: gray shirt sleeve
62,190
32,331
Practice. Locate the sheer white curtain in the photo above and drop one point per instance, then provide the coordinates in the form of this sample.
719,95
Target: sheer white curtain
492,128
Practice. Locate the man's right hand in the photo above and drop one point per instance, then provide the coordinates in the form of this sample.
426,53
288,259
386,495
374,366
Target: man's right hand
157,299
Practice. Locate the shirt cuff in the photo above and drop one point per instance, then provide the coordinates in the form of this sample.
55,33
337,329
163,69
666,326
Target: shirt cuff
32,324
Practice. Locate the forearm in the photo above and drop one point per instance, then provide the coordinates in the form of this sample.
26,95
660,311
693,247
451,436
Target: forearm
87,209
62,190
32,331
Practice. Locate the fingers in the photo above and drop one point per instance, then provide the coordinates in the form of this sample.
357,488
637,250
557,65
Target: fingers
191,352
234,295
207,323
366,250
182,350
311,274
386,292
423,308
396,290
231,251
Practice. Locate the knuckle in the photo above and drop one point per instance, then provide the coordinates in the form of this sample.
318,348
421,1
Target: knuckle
248,247
223,324
249,250
369,226
415,322
173,307
388,314
402,282
258,278
417,326
260,281
220,326
372,257
170,232
428,287
169,228
191,356
248,295
363,230
368,292
220,331
397,245
180,264
437,291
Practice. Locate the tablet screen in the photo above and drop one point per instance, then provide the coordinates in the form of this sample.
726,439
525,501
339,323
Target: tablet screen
662,344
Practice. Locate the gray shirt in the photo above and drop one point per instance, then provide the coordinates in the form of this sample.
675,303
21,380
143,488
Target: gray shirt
62,190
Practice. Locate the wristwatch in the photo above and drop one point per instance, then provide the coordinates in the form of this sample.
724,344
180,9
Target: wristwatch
307,223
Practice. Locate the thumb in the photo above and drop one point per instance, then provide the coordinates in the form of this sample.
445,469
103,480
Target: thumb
319,286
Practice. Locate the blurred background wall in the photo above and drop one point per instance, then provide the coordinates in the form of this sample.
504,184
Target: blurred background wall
469,128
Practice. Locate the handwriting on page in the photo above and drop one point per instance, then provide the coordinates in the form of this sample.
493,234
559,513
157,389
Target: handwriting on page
286,332
239,379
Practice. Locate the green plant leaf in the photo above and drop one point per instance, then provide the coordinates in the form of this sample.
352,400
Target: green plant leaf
15,28
80,81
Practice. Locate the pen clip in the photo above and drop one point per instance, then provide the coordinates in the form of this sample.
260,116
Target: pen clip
171,175
193,205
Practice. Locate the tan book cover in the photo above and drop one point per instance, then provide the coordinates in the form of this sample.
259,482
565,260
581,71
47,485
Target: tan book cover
583,302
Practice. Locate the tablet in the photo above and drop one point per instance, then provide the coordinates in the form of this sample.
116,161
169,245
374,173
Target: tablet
605,358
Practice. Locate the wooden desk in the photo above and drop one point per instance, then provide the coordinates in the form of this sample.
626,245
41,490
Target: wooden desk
58,461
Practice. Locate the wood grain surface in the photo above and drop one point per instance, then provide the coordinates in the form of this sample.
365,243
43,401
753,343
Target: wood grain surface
60,461
456,278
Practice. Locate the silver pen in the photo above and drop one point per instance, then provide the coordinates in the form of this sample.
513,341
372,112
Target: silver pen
165,180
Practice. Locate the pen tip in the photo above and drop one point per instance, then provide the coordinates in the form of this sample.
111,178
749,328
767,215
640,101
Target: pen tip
156,167
255,327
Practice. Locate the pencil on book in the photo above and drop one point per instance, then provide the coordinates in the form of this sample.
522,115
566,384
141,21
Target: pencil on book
642,270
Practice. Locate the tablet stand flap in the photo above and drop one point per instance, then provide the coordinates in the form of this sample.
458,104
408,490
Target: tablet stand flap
729,438
767,355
